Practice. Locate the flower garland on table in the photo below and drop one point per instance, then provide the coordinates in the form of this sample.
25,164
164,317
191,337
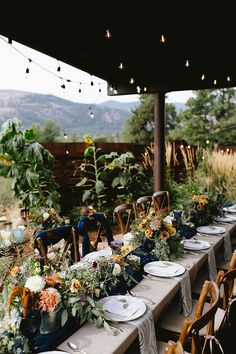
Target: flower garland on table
166,242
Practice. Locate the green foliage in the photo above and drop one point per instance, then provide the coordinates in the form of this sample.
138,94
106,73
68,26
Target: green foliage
6,197
49,133
29,165
139,128
207,114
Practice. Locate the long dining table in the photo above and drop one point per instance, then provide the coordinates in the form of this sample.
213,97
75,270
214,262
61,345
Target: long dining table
160,290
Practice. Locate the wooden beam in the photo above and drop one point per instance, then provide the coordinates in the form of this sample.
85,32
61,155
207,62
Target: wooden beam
159,142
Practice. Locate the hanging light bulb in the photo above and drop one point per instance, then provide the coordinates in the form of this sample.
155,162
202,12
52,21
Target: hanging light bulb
67,152
215,82
187,63
131,80
228,78
121,66
138,89
108,34
91,115
203,77
27,69
163,38
58,68
65,136
145,89
111,88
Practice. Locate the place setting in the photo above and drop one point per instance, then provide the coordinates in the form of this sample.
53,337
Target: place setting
227,218
230,209
211,230
194,244
164,269
122,308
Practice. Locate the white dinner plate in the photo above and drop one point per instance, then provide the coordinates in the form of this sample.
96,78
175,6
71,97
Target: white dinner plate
211,229
125,301
54,352
196,245
164,269
231,209
225,218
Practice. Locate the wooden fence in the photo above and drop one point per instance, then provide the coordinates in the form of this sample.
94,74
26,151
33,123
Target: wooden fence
68,154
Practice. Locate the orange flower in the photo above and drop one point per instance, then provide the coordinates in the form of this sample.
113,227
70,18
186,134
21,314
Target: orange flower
75,285
117,258
171,229
52,280
148,233
164,235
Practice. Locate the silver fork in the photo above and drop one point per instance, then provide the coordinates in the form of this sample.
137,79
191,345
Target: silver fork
144,298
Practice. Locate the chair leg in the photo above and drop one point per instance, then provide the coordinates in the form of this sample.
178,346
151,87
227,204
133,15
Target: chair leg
75,245
42,250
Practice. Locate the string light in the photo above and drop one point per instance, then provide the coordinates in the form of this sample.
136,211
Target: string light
59,67
27,69
187,63
189,147
108,34
67,152
163,38
203,77
138,89
131,80
121,66
228,78
215,82
145,89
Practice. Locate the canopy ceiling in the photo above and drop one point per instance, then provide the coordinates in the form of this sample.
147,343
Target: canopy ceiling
75,34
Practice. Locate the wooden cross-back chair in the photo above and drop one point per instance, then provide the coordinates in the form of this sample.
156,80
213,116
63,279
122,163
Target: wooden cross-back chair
46,238
124,215
144,204
171,324
174,348
161,202
91,228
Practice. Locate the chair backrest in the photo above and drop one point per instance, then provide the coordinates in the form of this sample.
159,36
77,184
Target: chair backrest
144,204
161,202
174,348
232,263
124,215
204,318
228,287
45,238
91,228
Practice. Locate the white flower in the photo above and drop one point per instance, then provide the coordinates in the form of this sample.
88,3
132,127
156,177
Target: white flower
6,243
35,283
46,215
116,269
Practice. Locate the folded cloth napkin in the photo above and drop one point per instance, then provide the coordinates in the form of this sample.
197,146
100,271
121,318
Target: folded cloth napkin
211,263
146,333
186,303
227,246
121,307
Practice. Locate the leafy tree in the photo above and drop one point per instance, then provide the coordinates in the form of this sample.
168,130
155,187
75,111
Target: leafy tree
139,128
49,133
206,114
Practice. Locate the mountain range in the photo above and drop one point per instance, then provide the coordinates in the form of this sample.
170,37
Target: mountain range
74,118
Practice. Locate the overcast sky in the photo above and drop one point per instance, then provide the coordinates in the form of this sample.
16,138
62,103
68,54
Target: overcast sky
43,77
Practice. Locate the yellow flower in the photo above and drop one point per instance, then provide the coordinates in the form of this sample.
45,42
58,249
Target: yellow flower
126,249
14,271
6,161
88,140
75,285
171,229
164,235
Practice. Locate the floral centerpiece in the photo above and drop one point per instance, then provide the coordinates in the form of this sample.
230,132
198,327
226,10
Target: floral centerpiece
160,236
202,209
72,293
45,218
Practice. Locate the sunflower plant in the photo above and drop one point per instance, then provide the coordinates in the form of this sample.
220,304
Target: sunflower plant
164,237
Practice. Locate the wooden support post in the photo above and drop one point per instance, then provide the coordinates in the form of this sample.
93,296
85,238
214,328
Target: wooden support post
159,142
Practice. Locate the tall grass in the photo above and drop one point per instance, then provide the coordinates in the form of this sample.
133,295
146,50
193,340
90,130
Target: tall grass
218,173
